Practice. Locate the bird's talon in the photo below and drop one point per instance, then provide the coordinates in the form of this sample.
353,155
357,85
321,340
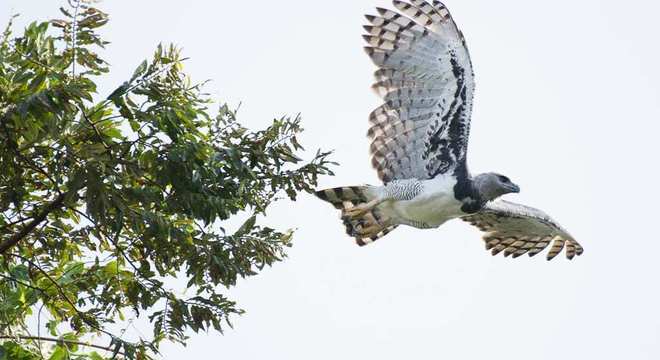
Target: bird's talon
356,212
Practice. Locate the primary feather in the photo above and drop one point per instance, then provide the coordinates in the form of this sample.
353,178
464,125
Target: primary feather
517,230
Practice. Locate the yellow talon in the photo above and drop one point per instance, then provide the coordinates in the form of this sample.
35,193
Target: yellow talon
358,211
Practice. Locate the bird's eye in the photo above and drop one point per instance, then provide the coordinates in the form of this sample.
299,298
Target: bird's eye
504,179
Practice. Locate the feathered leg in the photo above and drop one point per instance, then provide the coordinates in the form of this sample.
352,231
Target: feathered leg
369,225
359,210
398,190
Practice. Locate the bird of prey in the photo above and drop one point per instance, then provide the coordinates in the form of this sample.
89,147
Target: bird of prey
419,139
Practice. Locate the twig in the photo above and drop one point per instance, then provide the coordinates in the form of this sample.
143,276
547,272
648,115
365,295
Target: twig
115,242
34,167
96,130
53,281
39,328
32,60
22,283
40,217
63,294
74,29
21,220
62,341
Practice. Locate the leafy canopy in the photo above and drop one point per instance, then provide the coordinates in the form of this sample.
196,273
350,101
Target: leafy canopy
102,200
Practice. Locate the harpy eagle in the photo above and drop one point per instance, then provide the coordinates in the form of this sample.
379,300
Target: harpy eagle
419,139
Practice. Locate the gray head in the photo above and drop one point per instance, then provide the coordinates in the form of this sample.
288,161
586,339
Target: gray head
493,185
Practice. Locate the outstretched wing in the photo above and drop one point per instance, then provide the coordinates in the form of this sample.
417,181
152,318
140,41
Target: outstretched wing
426,81
518,229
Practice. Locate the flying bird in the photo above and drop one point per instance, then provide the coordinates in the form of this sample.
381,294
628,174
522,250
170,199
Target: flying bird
419,139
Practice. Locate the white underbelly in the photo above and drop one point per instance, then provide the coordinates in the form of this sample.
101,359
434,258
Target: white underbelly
431,208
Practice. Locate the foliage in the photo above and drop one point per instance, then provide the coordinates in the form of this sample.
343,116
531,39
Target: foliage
102,201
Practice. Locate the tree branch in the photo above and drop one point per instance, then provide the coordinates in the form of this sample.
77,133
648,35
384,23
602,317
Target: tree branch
15,222
21,283
38,219
60,290
62,341
73,306
93,125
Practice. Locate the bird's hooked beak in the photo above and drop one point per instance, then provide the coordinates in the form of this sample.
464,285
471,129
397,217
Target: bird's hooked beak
514,188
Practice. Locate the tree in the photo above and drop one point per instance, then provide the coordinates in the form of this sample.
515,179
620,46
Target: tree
104,200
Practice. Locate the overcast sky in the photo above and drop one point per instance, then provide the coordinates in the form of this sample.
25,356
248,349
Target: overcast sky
567,105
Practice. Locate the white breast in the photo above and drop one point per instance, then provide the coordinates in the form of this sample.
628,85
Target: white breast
432,208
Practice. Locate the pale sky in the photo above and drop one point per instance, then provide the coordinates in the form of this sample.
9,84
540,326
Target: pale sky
567,105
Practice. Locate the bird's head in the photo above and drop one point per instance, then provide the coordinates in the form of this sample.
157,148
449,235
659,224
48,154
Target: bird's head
493,185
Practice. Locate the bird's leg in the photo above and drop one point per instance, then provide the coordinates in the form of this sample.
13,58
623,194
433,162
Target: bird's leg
359,210
397,190
369,226
369,231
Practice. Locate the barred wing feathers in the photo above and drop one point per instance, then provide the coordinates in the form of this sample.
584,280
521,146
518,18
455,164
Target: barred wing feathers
426,81
517,229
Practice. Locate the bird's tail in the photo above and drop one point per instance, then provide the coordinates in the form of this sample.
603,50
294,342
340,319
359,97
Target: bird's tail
347,197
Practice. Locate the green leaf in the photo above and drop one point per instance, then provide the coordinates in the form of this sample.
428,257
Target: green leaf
139,71
95,356
121,90
111,269
65,12
113,133
247,226
60,353
37,82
